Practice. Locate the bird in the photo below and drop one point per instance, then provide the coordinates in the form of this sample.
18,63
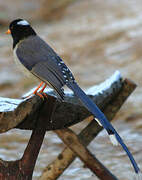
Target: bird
36,58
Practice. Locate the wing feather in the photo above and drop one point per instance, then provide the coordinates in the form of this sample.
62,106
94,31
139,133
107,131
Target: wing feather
45,74
41,60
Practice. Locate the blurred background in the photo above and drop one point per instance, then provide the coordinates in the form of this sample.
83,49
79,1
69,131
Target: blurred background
95,38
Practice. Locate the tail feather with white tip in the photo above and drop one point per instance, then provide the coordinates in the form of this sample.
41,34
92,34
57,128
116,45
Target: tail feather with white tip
113,139
92,107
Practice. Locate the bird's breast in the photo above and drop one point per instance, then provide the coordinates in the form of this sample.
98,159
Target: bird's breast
21,66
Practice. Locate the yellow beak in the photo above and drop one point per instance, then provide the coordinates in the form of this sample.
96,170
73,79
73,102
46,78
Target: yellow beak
8,31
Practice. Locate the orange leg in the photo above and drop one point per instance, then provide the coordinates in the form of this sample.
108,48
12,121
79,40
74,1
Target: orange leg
41,91
41,94
35,91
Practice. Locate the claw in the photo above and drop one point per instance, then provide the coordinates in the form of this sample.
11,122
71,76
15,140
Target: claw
44,94
40,95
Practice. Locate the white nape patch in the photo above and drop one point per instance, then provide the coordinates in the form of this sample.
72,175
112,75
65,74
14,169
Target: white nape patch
23,23
98,121
113,139
138,176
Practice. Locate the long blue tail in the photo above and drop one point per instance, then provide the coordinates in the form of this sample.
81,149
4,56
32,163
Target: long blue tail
91,106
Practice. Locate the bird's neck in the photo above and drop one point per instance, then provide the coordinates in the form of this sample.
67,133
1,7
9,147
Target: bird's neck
20,36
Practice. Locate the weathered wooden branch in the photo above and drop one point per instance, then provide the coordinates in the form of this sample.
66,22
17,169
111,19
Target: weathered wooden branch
41,116
22,169
67,156
90,161
24,114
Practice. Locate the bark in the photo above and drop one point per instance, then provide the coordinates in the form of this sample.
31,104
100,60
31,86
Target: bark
22,169
49,114
24,115
67,156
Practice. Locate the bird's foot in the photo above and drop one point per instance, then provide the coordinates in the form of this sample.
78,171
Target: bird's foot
44,95
40,95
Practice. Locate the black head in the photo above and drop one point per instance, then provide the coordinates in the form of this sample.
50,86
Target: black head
20,29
